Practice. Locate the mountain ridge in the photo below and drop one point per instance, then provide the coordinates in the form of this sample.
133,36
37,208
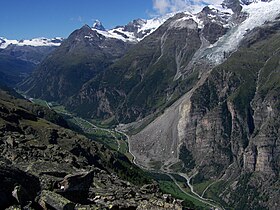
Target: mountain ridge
36,42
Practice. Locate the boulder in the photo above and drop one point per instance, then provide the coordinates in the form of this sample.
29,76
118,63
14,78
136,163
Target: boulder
51,199
76,187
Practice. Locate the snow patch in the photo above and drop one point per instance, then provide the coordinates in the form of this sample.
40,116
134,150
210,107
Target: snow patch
185,22
154,23
112,35
220,9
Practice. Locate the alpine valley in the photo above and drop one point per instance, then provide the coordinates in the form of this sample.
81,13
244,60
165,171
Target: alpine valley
175,112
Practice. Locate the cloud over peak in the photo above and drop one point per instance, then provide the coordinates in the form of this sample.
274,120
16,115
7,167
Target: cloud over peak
166,6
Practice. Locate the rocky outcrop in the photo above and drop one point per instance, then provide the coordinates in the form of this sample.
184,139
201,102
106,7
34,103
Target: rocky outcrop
76,186
234,5
49,199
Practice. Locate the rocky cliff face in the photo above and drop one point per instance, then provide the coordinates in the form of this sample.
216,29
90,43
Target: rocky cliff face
46,166
226,127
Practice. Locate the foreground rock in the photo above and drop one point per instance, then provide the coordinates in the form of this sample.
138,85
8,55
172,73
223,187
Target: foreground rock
45,166
54,200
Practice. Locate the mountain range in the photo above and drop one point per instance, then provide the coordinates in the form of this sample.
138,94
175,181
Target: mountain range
18,59
197,94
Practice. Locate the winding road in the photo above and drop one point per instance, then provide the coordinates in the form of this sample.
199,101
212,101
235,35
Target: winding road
188,179
197,197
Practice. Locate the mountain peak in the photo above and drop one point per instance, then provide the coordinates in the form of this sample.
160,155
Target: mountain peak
85,27
98,25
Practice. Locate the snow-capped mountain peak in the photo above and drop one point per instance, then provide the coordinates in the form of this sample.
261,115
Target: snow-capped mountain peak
98,25
138,29
36,42
134,31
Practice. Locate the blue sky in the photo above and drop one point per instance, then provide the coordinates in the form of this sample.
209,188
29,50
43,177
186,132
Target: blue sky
26,19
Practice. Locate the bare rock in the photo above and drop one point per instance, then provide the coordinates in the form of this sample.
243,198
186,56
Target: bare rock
76,186
54,200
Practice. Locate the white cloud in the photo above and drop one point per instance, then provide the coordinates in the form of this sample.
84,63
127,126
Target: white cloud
80,19
161,6
166,6
77,19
